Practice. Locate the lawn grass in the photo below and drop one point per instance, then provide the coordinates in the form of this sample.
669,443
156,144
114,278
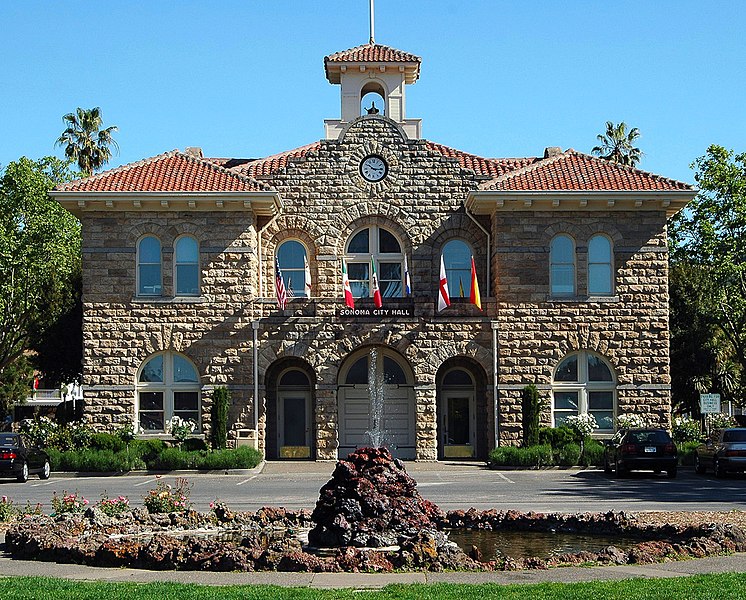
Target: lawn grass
699,587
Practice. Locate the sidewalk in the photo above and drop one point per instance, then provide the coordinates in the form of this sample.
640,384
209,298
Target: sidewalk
719,564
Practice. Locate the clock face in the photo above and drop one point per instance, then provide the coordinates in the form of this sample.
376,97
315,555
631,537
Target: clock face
373,168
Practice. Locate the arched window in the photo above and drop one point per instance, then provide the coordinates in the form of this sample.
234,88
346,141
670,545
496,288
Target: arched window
167,386
372,100
186,266
457,261
600,271
149,280
385,250
562,269
293,259
584,383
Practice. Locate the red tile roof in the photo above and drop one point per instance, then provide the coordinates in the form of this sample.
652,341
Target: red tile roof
575,171
264,167
372,53
492,167
170,172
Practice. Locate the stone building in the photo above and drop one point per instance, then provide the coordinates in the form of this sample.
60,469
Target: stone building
179,276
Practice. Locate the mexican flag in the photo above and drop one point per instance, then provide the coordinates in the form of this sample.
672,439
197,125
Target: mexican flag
349,300
376,292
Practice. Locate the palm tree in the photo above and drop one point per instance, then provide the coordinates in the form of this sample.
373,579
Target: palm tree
617,144
84,140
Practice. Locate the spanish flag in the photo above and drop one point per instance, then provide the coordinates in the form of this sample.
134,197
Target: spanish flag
474,296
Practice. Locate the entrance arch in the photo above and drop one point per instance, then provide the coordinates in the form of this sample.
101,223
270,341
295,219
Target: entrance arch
355,415
290,410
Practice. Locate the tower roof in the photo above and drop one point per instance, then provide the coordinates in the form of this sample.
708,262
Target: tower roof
372,53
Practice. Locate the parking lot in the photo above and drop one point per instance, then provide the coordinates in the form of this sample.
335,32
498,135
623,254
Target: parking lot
296,485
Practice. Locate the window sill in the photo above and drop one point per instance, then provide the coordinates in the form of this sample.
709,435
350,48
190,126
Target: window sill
168,300
579,299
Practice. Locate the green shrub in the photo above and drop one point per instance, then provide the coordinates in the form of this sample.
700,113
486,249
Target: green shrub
174,459
568,455
107,441
221,399
557,437
531,456
532,405
192,444
593,453
94,461
242,457
8,510
147,449
687,453
686,429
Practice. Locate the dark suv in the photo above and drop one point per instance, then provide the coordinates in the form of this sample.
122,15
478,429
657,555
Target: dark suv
641,449
724,451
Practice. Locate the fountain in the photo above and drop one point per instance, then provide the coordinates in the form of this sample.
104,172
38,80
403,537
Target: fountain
377,432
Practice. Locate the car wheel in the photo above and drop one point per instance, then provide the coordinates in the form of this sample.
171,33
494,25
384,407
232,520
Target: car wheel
620,470
23,475
719,468
699,466
45,471
672,473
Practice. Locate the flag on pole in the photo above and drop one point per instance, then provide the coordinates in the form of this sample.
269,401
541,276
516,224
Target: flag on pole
443,298
349,300
474,296
308,277
460,287
376,292
290,292
407,282
280,293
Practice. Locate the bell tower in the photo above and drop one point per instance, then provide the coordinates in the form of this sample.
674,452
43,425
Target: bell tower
377,74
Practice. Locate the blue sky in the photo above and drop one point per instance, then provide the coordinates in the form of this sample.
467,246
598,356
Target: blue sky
245,78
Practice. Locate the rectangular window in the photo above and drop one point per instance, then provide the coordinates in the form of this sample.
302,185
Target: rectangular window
187,280
150,279
563,280
390,280
358,274
151,411
601,406
599,278
186,405
565,404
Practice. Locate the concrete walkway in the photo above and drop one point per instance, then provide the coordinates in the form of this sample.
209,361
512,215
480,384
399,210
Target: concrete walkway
720,564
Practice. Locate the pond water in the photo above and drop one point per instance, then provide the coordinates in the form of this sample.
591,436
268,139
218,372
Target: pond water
524,544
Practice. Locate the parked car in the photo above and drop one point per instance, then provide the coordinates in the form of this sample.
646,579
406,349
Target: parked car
724,451
19,459
641,449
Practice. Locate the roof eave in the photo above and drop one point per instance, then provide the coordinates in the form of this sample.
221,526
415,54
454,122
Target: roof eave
488,202
334,69
261,203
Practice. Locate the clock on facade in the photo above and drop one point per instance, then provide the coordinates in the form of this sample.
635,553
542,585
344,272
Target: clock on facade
373,168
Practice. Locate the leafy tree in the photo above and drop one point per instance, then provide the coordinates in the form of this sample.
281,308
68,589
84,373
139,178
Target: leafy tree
15,384
221,399
85,141
532,405
39,253
710,236
617,144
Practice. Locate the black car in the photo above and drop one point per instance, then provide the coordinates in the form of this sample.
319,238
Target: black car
724,451
641,449
19,460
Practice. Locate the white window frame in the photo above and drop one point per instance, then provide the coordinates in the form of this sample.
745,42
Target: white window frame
176,264
583,387
138,291
610,265
379,257
453,290
552,265
298,291
167,387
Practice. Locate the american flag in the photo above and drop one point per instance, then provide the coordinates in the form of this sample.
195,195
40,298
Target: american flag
282,297
291,293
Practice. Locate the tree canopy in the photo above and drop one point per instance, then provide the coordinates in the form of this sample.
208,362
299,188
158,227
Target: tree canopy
85,141
708,243
39,254
617,144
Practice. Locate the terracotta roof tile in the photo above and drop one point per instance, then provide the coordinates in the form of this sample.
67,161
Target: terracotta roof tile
264,167
372,53
170,172
575,171
491,167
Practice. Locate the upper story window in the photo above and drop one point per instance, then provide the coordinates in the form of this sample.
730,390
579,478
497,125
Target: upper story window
457,260
167,386
149,279
382,246
562,266
187,266
600,269
293,261
584,383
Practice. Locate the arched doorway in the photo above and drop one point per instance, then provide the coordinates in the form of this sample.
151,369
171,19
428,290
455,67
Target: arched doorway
462,410
290,410
356,417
